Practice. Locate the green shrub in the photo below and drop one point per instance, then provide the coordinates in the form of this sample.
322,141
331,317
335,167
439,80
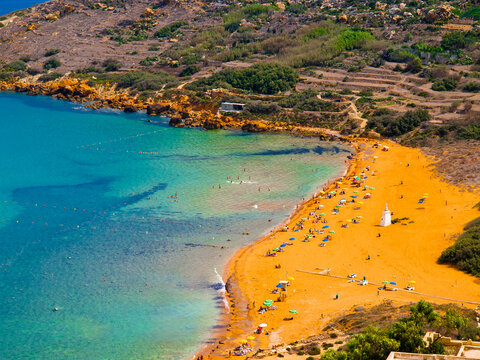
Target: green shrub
262,107
17,65
307,101
398,55
414,65
454,40
149,61
445,85
49,77
472,87
472,13
111,65
314,351
231,21
169,30
262,78
464,253
139,80
51,52
52,63
189,70
351,39
384,122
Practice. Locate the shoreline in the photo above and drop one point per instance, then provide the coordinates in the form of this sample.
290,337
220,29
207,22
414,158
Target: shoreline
221,328
181,110
231,328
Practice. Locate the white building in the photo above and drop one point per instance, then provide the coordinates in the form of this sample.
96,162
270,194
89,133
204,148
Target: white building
386,217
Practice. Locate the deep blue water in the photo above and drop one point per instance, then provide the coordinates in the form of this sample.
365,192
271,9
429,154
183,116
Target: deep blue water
7,6
105,216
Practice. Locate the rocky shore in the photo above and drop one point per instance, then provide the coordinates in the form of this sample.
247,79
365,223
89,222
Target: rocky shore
181,109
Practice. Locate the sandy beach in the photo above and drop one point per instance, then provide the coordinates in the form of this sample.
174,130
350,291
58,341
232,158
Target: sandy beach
403,253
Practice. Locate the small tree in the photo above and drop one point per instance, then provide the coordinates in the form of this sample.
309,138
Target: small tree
414,66
372,343
52,63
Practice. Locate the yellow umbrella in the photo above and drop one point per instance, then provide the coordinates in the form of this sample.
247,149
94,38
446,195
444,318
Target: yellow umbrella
250,337
413,282
349,220
322,192
360,202
243,341
291,278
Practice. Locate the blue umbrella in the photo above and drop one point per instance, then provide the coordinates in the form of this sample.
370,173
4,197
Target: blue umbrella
291,239
393,283
325,227
325,239
283,245
366,177
354,197
295,230
279,285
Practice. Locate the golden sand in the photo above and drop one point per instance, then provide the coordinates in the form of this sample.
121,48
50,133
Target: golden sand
402,253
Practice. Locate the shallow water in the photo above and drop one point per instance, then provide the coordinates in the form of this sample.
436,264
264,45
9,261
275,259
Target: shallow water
106,217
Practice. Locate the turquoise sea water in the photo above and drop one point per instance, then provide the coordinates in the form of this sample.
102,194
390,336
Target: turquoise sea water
105,216
7,6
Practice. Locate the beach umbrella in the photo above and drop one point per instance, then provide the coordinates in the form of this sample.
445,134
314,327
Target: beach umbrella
339,205
325,239
322,214
322,192
304,219
283,245
309,235
279,286
426,194
372,188
291,239
250,337
355,192
359,217
262,325
348,220
344,189
354,197
293,311
393,283
276,249
413,282
291,278
325,227
243,341
385,282
332,192
360,202
321,206
332,231
319,197
283,282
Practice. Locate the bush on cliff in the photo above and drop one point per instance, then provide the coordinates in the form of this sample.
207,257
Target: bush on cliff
263,79
169,30
17,65
52,63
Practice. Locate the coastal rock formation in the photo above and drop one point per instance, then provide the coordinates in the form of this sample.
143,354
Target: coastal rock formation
182,111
